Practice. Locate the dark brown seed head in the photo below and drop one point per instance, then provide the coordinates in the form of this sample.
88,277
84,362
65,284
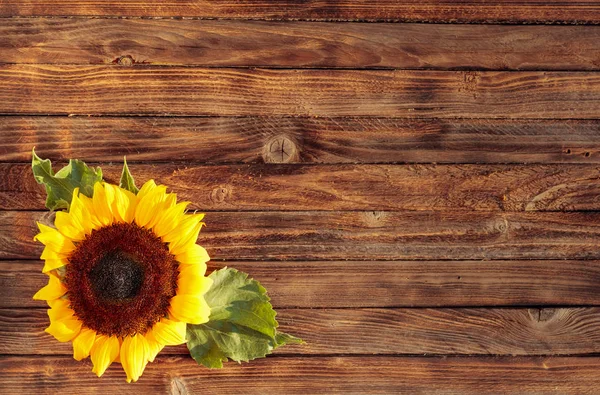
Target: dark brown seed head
121,279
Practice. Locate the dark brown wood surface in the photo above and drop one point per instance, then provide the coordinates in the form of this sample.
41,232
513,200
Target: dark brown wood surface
464,11
349,187
152,90
299,44
300,140
420,199
293,375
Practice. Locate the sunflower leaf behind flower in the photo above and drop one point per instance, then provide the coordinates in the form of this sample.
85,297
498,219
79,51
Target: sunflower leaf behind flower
126,277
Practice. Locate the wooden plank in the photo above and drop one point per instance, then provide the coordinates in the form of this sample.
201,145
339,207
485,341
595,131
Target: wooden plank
347,187
473,11
315,140
298,44
563,331
107,90
358,235
298,375
346,284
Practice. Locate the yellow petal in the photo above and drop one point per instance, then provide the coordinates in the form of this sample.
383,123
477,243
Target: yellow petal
54,290
124,204
68,227
65,329
192,281
193,255
154,347
53,239
49,253
170,219
60,310
146,188
134,356
169,333
82,344
187,234
192,309
88,204
78,213
146,209
104,352
102,203
51,264
161,208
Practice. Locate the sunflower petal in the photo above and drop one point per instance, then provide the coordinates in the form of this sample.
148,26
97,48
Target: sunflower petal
188,235
146,188
134,356
169,333
60,310
170,219
102,202
78,213
51,264
54,290
53,239
104,352
67,226
65,329
88,204
192,309
83,343
154,347
193,255
192,281
146,209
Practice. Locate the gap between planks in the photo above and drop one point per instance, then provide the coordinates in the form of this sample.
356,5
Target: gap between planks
464,11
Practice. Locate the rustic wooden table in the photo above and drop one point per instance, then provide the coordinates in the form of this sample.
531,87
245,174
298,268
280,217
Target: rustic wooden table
421,199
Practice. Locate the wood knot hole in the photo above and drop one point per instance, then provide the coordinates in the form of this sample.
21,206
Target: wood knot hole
220,194
280,149
542,314
126,60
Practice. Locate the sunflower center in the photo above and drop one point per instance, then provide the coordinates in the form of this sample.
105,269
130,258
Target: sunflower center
121,279
116,276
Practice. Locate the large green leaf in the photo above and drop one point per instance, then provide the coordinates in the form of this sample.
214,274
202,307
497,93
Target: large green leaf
127,181
242,323
60,186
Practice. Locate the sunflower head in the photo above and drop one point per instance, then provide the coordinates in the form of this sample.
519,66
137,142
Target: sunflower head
125,275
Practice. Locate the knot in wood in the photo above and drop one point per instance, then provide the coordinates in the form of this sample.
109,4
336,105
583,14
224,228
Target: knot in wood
280,149
542,314
126,60
220,194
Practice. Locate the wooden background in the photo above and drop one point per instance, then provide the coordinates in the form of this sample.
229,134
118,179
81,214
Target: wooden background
422,200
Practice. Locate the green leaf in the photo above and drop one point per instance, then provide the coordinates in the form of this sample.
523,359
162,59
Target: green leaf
127,181
242,323
60,186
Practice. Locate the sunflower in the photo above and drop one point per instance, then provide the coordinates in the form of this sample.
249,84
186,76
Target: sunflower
125,275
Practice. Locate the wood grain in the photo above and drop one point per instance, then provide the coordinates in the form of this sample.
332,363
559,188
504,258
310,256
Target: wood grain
471,11
298,44
563,331
315,140
298,375
357,284
365,235
107,90
347,187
